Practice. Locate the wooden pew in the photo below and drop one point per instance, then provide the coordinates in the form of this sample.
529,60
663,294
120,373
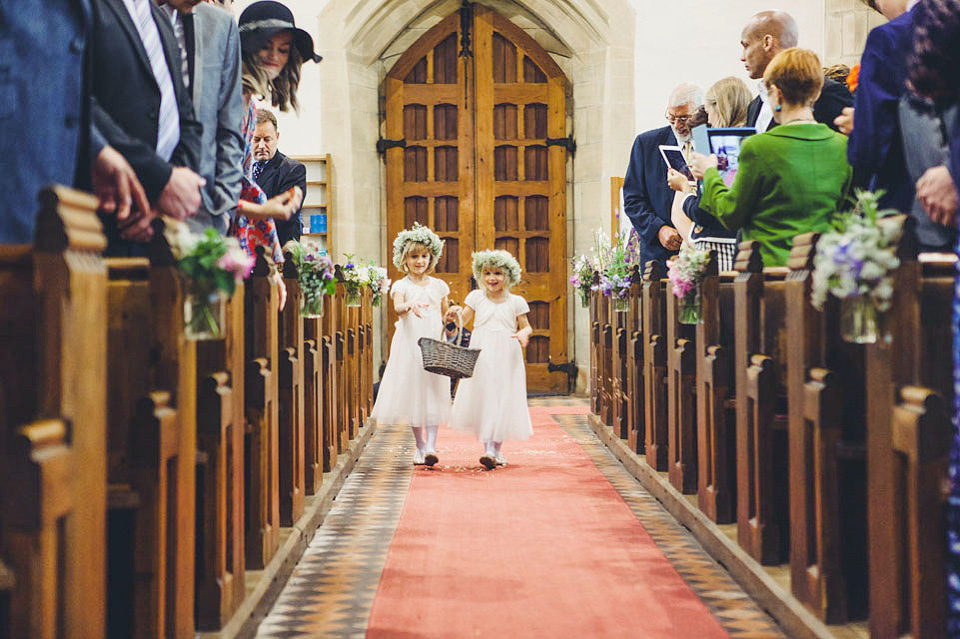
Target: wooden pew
330,383
291,401
313,397
825,380
635,392
596,355
368,371
262,387
762,512
655,366
342,370
53,433
618,391
153,434
220,561
681,399
352,369
909,400
608,398
716,403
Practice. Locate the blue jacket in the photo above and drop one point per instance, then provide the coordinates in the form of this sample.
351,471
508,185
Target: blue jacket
646,196
875,148
44,119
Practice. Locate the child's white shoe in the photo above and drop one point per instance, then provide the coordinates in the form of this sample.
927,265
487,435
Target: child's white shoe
489,461
500,459
418,458
430,458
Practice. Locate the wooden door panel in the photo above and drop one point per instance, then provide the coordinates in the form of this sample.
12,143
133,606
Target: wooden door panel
477,165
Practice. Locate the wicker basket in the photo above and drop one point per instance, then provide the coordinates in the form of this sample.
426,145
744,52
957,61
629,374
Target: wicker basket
443,358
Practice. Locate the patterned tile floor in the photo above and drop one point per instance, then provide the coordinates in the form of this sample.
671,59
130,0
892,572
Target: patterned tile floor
331,591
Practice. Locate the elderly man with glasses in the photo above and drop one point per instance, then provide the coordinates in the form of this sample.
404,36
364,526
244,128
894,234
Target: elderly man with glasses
646,196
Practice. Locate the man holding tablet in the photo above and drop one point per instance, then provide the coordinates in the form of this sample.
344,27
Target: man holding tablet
646,196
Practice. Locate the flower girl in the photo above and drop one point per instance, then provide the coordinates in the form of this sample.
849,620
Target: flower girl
408,394
493,403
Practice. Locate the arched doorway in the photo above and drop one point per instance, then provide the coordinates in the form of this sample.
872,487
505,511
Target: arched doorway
476,148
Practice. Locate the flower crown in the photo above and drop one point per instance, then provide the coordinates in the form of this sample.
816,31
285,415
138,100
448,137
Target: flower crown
496,259
417,234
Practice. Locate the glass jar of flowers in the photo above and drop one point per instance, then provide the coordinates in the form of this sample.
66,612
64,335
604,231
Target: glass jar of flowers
210,265
584,270
377,280
855,263
354,280
314,274
617,261
684,273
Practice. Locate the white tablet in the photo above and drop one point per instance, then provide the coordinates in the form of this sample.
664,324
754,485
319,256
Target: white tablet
673,156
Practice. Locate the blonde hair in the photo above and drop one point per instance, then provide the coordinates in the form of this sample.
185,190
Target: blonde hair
797,73
730,99
408,248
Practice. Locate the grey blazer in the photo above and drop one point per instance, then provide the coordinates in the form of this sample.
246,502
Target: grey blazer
218,103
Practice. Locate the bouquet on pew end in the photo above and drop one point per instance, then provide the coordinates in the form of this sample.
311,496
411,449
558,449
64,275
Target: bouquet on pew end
314,275
355,279
377,280
617,262
685,272
584,272
211,265
855,263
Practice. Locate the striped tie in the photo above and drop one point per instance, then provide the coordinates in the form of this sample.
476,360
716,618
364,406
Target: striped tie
168,126
181,38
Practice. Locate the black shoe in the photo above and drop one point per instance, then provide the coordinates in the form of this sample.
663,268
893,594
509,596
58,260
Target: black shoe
430,459
489,462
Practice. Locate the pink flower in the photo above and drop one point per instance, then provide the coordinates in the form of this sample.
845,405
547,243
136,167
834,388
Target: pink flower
236,262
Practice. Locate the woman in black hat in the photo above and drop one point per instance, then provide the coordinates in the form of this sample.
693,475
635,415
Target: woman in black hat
273,50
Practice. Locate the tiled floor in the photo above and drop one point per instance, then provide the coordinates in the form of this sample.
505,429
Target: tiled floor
331,591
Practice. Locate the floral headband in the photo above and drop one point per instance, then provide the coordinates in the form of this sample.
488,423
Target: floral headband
417,234
496,259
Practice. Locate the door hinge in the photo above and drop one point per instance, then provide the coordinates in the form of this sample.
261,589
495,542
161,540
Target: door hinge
568,143
383,145
570,368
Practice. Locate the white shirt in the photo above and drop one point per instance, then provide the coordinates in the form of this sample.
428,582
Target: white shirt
766,111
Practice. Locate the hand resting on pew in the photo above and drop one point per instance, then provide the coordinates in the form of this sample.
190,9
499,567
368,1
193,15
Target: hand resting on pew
116,185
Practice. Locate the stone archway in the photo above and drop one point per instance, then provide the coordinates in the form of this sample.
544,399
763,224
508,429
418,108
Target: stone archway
361,39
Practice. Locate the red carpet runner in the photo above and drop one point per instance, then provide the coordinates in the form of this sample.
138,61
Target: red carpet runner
544,547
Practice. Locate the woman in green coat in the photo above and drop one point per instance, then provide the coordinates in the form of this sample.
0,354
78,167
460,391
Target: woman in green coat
790,180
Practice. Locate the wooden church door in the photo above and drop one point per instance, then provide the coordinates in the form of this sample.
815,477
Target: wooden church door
476,149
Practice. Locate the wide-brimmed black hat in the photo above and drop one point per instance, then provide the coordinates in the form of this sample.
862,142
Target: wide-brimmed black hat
261,20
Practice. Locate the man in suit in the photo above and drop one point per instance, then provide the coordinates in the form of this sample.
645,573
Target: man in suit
210,66
276,173
765,35
46,124
142,108
646,196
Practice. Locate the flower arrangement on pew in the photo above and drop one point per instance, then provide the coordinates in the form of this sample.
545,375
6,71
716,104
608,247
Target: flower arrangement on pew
378,282
315,274
855,263
616,261
211,265
354,280
584,271
685,273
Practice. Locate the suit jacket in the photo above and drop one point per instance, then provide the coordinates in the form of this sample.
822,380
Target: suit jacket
279,174
875,149
828,106
218,102
126,98
43,110
646,196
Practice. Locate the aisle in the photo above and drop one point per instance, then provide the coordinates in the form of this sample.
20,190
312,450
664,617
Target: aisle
560,543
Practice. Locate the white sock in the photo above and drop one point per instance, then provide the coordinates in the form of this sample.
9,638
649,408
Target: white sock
431,445
491,449
418,435
496,447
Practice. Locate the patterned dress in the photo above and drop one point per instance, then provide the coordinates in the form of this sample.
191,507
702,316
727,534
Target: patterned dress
252,234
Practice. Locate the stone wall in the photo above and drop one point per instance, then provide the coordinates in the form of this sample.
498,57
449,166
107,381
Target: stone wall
846,25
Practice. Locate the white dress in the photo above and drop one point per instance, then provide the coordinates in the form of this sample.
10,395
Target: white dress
493,403
408,394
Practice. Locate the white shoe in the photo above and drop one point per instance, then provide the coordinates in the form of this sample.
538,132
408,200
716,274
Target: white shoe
418,459
501,460
430,458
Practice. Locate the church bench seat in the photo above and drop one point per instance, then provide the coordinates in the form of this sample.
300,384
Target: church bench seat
634,378
681,397
291,424
656,426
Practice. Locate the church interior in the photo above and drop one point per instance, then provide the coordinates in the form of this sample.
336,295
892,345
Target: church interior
744,461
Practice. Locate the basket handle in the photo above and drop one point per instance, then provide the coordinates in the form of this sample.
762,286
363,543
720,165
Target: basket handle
459,336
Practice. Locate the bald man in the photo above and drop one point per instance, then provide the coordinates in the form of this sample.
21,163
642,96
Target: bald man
764,36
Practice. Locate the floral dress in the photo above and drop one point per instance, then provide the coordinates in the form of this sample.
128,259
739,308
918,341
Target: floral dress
252,234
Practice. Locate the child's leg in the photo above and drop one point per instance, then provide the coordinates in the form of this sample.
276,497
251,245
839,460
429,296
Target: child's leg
418,436
430,446
501,460
489,457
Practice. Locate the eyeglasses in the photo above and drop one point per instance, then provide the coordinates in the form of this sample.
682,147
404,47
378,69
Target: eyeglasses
677,119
